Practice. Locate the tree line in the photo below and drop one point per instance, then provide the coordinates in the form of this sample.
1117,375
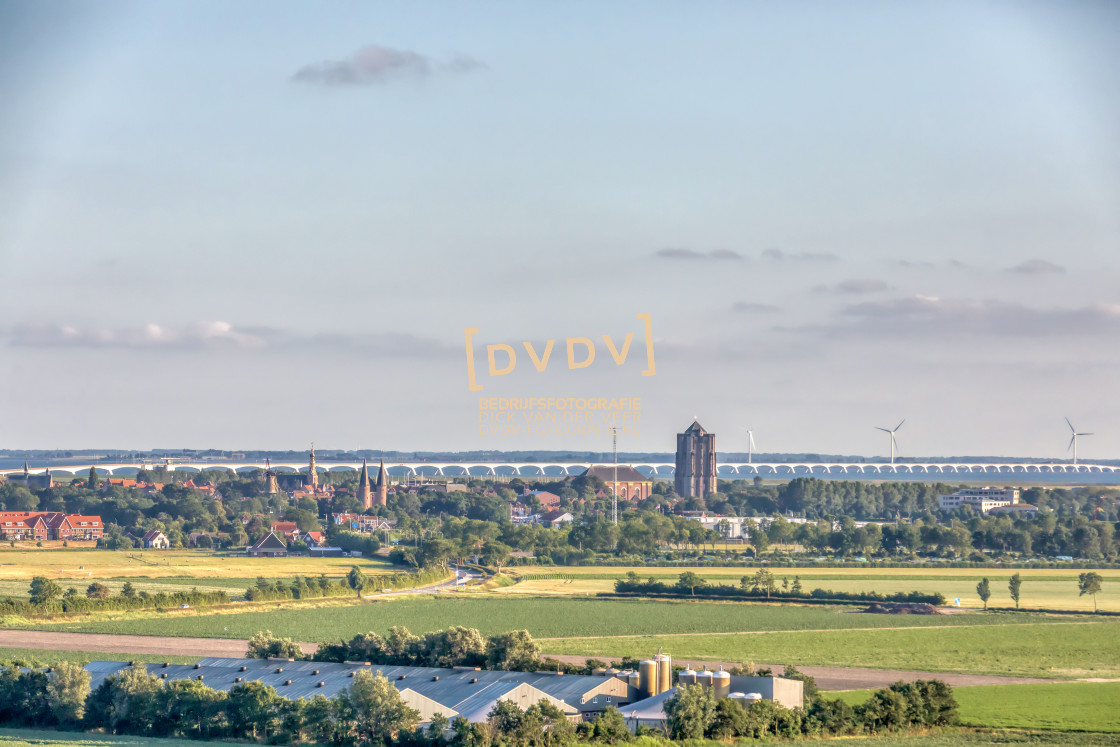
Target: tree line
760,585
479,517
370,711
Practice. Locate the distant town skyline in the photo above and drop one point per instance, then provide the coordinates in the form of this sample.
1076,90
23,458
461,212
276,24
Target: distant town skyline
237,225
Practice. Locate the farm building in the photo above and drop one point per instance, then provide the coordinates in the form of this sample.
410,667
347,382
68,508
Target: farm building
462,691
654,680
268,546
472,693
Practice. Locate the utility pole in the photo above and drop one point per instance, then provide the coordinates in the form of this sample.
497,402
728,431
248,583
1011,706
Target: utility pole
614,492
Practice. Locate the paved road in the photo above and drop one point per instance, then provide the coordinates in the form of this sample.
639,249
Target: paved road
448,584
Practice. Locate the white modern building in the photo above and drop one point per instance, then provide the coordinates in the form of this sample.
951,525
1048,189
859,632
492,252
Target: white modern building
981,500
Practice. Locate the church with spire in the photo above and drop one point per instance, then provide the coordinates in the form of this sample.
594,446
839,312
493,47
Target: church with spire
376,494
305,485
32,482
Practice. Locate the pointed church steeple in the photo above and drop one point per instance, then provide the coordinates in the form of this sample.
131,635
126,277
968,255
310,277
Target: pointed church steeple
312,473
382,485
26,471
364,494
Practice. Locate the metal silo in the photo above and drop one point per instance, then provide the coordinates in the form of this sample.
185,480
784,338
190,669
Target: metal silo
647,673
704,678
721,684
664,673
634,680
687,677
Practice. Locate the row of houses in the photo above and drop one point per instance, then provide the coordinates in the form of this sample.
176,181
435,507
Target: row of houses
49,525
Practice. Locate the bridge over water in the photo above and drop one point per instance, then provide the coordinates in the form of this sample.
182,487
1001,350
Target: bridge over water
650,469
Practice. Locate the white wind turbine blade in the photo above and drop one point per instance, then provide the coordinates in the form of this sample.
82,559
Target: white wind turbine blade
899,425
1071,428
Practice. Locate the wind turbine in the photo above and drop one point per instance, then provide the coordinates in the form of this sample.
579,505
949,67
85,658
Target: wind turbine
1073,440
894,441
750,443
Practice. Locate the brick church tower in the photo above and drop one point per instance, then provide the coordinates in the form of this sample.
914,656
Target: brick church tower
696,462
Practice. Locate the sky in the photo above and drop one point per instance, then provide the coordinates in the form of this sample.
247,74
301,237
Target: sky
258,224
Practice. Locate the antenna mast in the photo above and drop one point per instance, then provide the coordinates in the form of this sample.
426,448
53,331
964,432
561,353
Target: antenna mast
614,492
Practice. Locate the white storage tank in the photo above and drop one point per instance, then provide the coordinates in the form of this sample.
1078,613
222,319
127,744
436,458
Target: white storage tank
687,677
704,678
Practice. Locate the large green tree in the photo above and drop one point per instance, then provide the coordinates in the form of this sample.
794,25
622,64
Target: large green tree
984,591
1089,583
690,712
1014,584
253,709
265,645
44,590
376,710
513,651
67,692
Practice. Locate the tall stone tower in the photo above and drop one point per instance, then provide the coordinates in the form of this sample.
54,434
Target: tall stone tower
696,462
312,473
364,494
382,485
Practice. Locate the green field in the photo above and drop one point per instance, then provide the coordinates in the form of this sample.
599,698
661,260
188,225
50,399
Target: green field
29,737
1048,588
948,738
1067,707
543,617
1042,650
970,738
235,587
995,643
51,657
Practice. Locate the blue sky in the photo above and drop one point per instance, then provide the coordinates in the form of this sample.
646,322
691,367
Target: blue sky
254,224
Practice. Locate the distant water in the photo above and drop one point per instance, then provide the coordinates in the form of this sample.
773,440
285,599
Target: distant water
977,475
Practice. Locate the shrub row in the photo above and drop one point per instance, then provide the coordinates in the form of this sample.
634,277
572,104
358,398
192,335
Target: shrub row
653,587
297,588
694,714
366,544
141,600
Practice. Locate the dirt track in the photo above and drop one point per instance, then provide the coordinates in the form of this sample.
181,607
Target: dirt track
128,644
828,678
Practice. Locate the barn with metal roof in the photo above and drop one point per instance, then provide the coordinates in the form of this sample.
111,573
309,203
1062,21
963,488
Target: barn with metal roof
462,691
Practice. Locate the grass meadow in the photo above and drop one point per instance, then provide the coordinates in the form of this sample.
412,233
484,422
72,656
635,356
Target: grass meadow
29,737
52,657
1044,588
946,738
1066,707
559,618
1022,644
1038,650
974,738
